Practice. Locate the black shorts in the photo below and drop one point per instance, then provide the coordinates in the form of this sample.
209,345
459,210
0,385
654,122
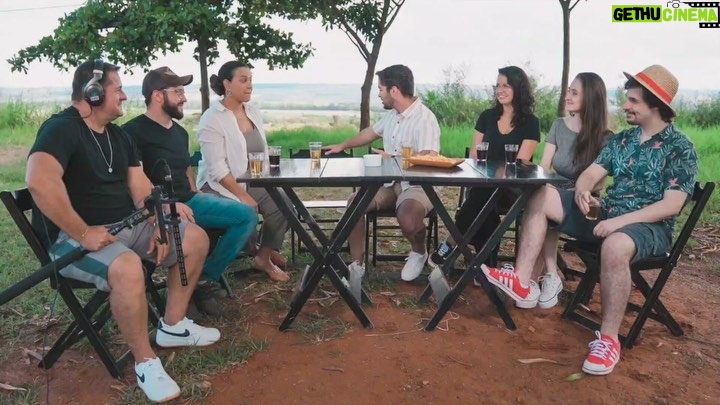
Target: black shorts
650,239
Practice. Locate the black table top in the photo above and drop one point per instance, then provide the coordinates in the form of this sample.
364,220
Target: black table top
352,172
492,173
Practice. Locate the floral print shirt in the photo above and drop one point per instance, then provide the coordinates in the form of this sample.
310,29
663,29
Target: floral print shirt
642,172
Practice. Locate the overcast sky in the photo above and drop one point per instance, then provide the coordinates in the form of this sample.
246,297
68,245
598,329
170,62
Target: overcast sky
430,35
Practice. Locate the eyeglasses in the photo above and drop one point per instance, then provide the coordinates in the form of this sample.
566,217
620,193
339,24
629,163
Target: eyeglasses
178,92
504,86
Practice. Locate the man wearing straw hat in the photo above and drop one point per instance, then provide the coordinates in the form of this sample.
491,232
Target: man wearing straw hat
654,167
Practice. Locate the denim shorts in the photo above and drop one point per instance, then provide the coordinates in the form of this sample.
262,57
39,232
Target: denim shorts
650,239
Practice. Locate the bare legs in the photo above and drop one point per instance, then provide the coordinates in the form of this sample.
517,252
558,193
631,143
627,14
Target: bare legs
544,206
615,256
410,216
127,291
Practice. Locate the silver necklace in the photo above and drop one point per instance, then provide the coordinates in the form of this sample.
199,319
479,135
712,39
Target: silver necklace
107,135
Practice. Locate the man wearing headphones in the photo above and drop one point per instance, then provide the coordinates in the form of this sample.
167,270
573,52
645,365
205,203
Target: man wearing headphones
83,174
163,145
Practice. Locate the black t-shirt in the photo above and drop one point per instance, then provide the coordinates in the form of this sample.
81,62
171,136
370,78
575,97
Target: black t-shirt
487,123
98,196
157,145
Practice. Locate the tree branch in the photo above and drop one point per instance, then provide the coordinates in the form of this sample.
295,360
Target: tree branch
351,34
395,12
574,4
360,46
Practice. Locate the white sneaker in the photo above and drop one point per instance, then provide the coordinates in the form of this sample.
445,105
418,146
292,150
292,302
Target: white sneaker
532,298
155,382
356,274
185,333
413,266
356,269
550,287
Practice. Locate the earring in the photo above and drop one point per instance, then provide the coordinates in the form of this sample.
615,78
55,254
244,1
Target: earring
228,92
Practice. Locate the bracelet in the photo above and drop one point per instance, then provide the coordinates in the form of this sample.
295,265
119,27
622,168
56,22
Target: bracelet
84,233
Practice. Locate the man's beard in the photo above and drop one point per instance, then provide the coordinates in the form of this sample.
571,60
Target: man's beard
173,111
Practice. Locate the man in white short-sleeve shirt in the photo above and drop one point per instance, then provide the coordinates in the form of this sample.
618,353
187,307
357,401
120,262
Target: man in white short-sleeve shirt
407,123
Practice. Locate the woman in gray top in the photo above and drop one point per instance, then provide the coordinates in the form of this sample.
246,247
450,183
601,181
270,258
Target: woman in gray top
571,146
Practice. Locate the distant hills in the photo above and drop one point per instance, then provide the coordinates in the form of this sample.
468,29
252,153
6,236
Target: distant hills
287,96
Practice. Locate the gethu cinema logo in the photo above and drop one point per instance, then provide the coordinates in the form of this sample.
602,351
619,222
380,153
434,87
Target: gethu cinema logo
698,12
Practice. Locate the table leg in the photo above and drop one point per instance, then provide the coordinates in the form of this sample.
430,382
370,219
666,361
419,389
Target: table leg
474,266
461,241
322,265
333,245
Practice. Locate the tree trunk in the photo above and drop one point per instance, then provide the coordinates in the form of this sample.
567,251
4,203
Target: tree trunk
204,88
365,93
367,84
566,56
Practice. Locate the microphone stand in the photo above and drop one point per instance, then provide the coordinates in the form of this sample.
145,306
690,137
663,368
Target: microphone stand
174,223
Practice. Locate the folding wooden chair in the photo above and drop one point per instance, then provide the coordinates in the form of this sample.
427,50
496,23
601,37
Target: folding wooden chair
88,319
296,245
652,307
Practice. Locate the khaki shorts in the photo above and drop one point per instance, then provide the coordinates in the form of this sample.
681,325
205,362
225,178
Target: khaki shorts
93,267
391,197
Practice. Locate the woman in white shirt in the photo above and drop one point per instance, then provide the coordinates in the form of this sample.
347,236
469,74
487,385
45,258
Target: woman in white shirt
229,130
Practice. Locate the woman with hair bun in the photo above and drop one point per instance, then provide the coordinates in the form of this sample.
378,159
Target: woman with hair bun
229,130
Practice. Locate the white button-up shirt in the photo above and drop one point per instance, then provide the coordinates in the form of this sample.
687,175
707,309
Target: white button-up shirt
416,125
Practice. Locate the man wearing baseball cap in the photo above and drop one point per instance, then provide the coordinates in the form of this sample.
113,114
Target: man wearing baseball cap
163,145
654,167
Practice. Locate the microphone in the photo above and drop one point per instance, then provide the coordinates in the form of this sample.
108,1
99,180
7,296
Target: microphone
163,179
168,179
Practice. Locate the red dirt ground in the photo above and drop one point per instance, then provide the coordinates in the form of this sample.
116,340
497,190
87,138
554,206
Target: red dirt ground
471,359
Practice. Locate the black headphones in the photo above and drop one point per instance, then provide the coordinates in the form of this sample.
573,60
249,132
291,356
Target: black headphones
93,91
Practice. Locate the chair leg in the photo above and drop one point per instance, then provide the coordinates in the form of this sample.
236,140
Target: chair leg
292,245
84,324
652,308
375,241
367,240
583,292
225,285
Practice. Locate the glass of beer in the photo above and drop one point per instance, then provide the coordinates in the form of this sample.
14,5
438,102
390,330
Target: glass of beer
594,210
482,152
511,152
256,163
315,150
407,150
274,155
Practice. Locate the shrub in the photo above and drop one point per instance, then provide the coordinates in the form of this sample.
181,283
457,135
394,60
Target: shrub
17,113
454,102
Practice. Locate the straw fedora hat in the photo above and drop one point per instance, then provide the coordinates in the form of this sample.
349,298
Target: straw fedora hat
658,81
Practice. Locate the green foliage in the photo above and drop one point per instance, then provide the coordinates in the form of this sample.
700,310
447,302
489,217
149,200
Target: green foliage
17,113
454,102
133,33
704,114
546,106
